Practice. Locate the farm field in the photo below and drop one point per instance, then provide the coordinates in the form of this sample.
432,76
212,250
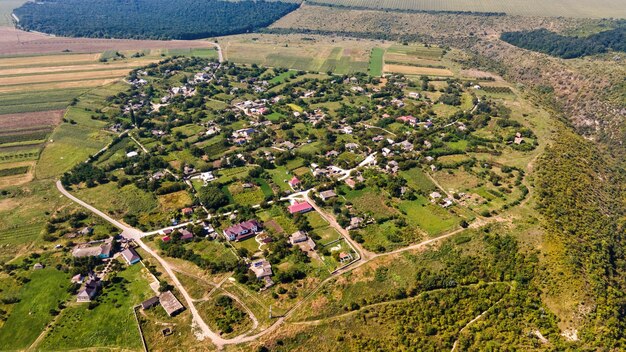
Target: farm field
312,53
16,42
565,8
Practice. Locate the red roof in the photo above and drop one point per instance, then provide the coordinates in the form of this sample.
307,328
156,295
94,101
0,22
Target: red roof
166,238
294,181
300,207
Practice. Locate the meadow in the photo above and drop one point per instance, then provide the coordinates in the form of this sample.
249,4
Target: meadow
311,53
29,317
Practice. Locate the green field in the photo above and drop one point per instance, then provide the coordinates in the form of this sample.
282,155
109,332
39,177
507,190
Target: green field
28,318
376,62
417,180
565,8
110,325
431,218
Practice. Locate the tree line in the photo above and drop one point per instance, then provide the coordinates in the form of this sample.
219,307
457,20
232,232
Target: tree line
149,19
566,47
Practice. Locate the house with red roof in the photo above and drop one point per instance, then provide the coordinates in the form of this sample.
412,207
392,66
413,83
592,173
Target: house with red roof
242,230
294,182
411,120
300,208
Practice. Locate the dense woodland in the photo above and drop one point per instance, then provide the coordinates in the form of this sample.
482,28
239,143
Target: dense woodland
566,47
149,19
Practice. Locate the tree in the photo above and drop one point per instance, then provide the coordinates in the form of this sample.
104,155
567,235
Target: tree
212,197
164,286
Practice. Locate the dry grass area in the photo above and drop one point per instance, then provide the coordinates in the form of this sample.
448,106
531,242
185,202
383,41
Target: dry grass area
17,180
72,76
415,70
30,119
553,8
17,42
435,26
92,83
47,60
12,70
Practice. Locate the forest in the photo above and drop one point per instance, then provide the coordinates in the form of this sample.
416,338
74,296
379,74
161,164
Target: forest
566,47
580,192
149,19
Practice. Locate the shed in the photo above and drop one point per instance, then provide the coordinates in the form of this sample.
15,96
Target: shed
170,303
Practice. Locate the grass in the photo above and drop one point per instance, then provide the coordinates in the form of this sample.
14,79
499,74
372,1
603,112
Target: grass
6,8
213,250
29,317
111,324
281,78
228,175
577,9
417,180
370,201
429,217
376,62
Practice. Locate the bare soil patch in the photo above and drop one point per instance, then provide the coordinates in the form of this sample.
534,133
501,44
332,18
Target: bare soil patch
30,119
17,42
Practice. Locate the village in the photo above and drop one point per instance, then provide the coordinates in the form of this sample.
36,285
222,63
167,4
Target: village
281,179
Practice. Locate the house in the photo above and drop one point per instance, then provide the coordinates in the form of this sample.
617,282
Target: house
90,290
261,268
170,303
242,230
406,146
38,266
332,154
345,257
187,211
355,223
207,177
150,302
300,208
132,154
392,166
347,129
325,195
378,138
411,120
386,151
351,146
350,182
77,279
435,195
166,238
294,182
297,237
103,251
185,235
414,95
288,145
130,255
518,138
